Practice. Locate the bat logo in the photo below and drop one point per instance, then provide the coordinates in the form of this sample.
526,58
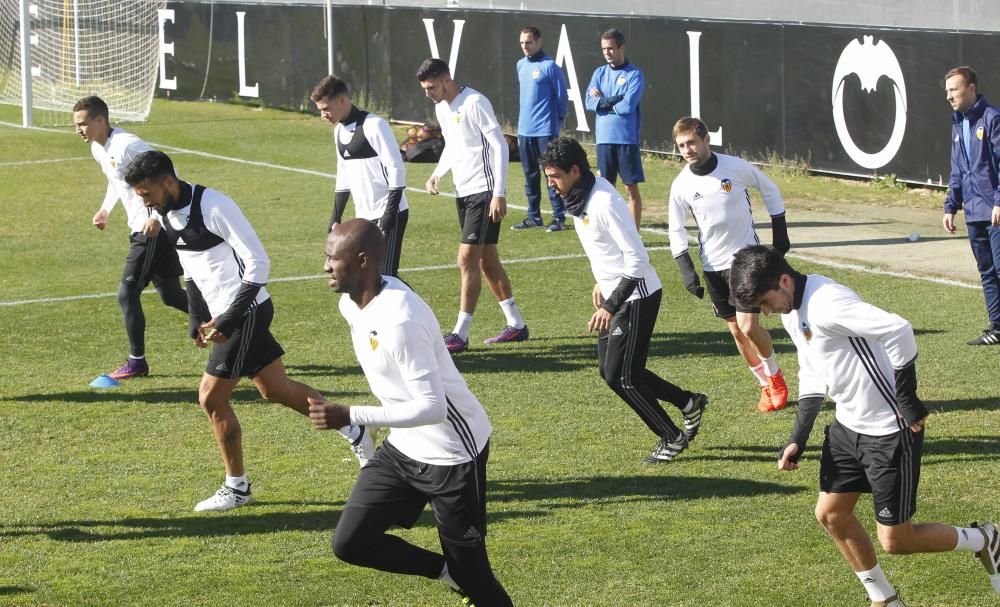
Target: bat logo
373,340
870,62
727,186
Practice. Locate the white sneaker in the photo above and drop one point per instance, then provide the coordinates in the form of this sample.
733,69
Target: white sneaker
989,556
363,448
226,498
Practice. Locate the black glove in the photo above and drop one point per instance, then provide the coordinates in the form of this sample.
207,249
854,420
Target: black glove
689,276
779,233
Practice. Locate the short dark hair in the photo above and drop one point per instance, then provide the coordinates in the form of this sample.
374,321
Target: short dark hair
688,124
328,87
755,271
94,105
965,72
431,69
563,153
613,34
531,29
149,165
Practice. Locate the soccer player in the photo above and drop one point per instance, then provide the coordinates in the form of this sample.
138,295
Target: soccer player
476,154
438,442
975,161
226,268
715,189
150,258
369,167
614,93
626,297
542,111
864,358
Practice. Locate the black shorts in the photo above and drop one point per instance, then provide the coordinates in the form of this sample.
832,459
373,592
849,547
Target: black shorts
614,159
395,488
150,259
723,302
249,349
474,219
888,467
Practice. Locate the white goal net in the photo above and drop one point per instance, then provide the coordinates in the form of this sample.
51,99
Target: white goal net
107,48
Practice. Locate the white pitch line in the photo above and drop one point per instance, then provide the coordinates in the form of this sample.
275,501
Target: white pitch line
817,260
46,161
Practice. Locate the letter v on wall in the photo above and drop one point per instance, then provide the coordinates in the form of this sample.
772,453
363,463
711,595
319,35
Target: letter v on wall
456,41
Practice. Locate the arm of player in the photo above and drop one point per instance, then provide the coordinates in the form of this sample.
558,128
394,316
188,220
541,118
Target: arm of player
197,311
688,275
382,141
775,206
953,199
560,92
340,198
629,101
910,406
499,158
621,228
805,418
677,216
100,220
594,94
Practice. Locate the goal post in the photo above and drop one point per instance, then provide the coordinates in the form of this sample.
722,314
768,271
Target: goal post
77,48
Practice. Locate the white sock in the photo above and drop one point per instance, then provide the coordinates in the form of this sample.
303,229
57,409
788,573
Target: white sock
463,325
758,372
877,587
237,482
770,365
351,433
970,539
446,578
513,314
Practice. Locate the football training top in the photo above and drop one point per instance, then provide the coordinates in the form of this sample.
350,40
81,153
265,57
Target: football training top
368,168
474,148
618,115
234,255
720,203
609,237
543,99
849,349
433,416
114,157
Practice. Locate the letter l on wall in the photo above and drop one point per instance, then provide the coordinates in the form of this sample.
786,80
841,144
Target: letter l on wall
245,91
696,85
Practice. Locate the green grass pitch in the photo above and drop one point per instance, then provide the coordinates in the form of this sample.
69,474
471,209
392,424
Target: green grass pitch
97,487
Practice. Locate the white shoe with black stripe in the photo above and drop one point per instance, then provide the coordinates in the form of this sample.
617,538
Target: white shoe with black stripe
692,419
990,554
364,447
666,450
226,498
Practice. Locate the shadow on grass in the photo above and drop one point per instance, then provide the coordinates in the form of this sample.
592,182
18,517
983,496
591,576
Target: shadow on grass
866,241
965,404
244,394
8,590
530,498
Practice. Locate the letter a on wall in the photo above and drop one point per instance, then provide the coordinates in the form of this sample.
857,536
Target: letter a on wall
564,57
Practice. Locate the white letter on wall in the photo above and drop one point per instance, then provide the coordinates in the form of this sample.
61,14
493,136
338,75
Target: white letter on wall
456,41
696,85
245,91
163,16
565,56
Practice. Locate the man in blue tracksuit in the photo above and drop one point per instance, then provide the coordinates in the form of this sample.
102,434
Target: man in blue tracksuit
975,157
543,108
614,93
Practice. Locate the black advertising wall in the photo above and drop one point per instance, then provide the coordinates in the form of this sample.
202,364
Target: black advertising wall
847,100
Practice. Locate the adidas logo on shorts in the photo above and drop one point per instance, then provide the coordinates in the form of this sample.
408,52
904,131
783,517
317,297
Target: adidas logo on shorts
221,367
472,534
617,332
885,512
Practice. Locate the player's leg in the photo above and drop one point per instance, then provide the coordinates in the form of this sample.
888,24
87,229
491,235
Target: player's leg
759,338
530,151
499,284
458,499
469,256
619,350
982,250
842,481
394,243
135,277
382,498
630,167
473,216
607,161
213,395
